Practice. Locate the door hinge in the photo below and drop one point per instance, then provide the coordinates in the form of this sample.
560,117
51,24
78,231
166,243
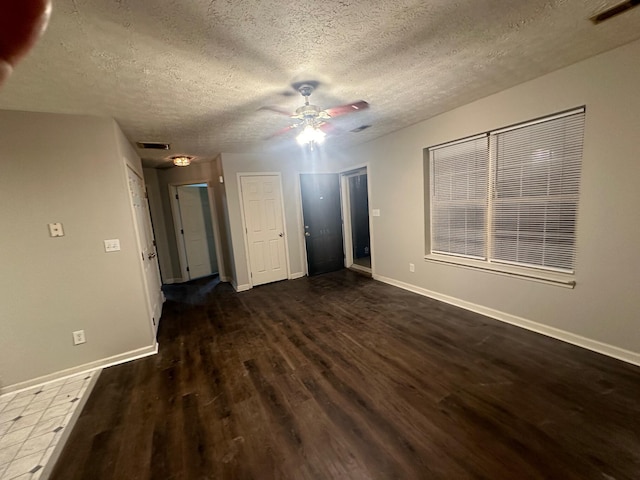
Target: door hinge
142,253
154,243
182,231
177,198
187,269
153,319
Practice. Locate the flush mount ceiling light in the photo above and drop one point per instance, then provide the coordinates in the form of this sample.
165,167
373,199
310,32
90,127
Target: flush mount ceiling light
181,161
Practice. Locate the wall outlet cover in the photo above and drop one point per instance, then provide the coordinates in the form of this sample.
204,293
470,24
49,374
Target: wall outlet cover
78,337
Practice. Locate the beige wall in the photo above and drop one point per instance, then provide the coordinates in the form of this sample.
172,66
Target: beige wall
604,307
68,169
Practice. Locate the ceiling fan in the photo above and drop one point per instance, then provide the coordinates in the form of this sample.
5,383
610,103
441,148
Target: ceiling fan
312,120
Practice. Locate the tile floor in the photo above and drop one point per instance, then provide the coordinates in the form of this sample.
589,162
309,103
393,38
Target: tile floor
33,421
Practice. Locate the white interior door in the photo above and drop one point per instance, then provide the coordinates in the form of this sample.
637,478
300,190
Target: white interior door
146,245
262,203
194,232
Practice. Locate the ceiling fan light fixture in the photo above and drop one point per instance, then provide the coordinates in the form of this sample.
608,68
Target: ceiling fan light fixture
181,161
310,134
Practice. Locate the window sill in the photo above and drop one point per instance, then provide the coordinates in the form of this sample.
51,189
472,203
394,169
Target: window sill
550,278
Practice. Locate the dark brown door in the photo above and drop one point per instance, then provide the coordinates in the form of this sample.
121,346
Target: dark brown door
322,222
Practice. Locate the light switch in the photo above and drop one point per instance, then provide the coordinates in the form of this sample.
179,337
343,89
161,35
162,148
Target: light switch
112,245
375,212
55,230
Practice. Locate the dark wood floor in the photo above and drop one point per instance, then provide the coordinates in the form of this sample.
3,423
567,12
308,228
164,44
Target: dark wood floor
342,377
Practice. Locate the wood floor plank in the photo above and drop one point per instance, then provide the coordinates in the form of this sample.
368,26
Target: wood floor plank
342,377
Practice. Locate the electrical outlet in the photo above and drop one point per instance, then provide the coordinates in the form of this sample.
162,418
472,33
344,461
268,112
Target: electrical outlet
78,337
412,267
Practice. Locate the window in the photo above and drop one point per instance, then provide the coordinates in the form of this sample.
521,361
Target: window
509,197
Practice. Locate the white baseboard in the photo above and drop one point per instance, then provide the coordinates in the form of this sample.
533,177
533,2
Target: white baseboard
225,279
241,288
171,281
594,345
296,275
87,367
360,268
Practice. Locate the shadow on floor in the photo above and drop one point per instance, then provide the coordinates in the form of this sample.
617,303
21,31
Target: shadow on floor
193,292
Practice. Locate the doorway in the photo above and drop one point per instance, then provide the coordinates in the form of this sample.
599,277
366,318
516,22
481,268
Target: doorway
263,217
193,223
355,205
322,222
146,245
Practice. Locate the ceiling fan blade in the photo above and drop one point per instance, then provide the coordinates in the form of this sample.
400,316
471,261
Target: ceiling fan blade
279,110
349,108
329,128
282,131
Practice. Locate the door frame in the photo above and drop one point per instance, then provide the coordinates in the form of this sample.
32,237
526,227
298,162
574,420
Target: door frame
346,217
239,176
137,229
300,218
177,225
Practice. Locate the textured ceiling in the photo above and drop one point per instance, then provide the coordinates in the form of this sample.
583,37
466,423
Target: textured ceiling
194,73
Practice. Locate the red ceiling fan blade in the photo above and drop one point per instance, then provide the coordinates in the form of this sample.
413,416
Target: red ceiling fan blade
279,110
282,131
329,129
349,108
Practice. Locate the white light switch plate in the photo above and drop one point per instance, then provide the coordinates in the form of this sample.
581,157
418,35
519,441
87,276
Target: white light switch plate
112,245
375,212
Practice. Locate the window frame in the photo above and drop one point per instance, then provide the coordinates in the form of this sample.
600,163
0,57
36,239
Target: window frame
538,273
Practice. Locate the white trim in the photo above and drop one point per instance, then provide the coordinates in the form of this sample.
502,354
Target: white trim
568,337
296,275
142,249
170,281
87,367
568,113
301,237
345,210
225,279
177,226
241,288
456,142
239,176
535,275
360,268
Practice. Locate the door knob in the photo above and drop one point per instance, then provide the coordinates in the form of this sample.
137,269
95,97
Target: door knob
307,234
152,255
281,234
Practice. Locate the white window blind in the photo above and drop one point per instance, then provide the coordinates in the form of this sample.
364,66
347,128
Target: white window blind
459,197
511,196
535,192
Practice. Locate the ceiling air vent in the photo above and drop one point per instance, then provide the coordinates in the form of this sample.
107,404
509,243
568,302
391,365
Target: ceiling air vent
360,128
613,11
153,145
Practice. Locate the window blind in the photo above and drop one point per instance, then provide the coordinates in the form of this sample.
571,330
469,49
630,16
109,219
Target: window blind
459,174
535,190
